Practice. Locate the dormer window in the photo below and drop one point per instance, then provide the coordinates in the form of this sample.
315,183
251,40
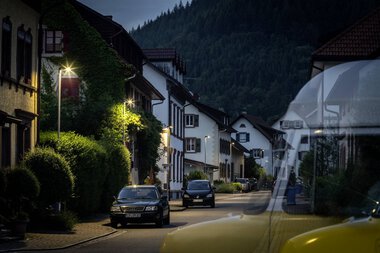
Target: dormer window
242,126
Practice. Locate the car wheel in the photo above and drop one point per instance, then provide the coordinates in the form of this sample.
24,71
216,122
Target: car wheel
167,219
160,221
114,224
185,205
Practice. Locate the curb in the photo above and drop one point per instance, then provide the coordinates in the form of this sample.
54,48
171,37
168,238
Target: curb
63,247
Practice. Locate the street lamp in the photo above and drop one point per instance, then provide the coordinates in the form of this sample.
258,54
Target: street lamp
204,165
67,69
128,102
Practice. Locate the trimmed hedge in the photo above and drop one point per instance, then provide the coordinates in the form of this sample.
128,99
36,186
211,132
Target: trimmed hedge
53,173
87,159
118,164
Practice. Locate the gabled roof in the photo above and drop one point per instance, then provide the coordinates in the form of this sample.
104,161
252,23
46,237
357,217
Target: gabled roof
360,41
177,89
109,30
260,125
165,54
217,115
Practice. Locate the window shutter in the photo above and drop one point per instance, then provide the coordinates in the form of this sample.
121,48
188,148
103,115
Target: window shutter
238,137
196,120
197,145
247,137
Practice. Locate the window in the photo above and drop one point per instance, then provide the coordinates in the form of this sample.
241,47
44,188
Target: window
24,54
242,137
6,46
257,153
53,42
6,146
224,147
304,139
285,124
191,120
298,124
193,145
242,125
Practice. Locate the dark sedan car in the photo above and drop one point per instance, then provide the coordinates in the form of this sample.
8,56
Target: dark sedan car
198,192
140,204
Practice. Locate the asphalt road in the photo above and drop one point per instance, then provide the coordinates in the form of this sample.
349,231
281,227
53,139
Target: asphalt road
148,238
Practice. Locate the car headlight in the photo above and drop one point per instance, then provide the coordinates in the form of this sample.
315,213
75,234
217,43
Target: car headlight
186,196
151,208
115,209
209,195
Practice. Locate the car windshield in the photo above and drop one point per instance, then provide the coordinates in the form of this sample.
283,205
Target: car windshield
138,193
241,180
198,185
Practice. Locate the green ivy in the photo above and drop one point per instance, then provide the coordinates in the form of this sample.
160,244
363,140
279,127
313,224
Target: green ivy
149,140
97,65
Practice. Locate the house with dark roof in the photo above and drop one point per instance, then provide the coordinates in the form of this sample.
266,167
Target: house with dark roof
353,96
138,90
208,143
258,137
165,72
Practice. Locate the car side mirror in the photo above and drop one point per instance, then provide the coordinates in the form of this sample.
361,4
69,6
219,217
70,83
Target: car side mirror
214,188
183,188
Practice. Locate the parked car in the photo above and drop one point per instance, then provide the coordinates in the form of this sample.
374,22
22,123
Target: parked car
140,204
253,184
198,192
244,184
354,235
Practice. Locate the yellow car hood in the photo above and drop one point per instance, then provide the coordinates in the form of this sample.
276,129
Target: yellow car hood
353,236
231,234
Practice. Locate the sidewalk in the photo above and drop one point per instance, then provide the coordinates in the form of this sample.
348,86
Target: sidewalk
284,226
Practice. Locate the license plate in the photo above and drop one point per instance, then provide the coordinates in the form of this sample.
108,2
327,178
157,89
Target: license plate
133,215
198,200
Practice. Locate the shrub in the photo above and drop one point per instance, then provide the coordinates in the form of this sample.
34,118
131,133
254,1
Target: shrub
86,158
216,182
22,188
196,174
64,221
118,164
237,186
225,188
53,173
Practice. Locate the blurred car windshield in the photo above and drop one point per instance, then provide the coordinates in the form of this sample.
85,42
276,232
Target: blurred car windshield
198,185
138,193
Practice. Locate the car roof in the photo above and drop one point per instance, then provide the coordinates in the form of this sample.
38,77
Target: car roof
140,186
199,180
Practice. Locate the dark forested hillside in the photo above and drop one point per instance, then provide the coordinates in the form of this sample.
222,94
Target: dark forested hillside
250,55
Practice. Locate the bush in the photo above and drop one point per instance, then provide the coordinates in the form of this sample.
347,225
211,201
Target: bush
53,173
196,174
237,186
217,182
22,188
225,188
119,165
64,221
86,158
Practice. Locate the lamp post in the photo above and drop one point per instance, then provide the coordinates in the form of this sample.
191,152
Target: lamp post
204,164
67,70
